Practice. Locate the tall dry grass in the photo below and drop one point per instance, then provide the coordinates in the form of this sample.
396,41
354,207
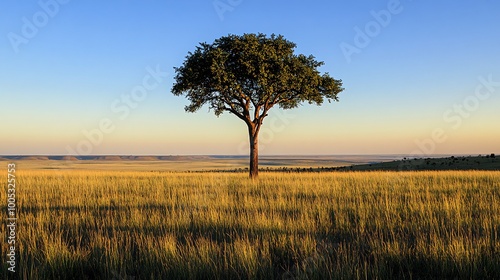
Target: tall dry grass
151,225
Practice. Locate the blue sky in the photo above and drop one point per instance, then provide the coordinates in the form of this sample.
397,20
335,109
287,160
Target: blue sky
420,77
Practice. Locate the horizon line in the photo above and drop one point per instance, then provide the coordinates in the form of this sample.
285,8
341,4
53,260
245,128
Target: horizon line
239,155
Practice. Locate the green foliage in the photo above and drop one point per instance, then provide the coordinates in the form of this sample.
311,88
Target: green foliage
252,72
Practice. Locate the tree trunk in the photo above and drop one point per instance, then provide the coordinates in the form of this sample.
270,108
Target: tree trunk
254,154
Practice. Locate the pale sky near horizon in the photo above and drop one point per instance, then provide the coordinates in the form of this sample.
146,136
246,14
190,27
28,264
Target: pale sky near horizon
82,77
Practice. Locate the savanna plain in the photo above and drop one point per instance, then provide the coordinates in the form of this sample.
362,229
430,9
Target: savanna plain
90,224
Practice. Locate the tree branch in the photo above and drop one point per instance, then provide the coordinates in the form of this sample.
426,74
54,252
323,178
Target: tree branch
297,93
256,113
236,113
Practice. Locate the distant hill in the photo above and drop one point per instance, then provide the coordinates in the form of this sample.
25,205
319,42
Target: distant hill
38,158
107,158
70,158
486,162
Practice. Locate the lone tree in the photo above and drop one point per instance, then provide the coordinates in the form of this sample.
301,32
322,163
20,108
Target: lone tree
247,75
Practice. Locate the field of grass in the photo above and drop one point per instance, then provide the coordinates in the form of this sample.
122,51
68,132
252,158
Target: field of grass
348,225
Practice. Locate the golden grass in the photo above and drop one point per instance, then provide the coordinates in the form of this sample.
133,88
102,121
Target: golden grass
153,225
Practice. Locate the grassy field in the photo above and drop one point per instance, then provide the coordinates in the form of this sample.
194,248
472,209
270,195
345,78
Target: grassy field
347,225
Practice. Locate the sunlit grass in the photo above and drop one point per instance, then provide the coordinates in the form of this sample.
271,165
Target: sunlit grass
152,225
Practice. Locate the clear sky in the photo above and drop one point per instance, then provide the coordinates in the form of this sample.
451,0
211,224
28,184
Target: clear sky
94,77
